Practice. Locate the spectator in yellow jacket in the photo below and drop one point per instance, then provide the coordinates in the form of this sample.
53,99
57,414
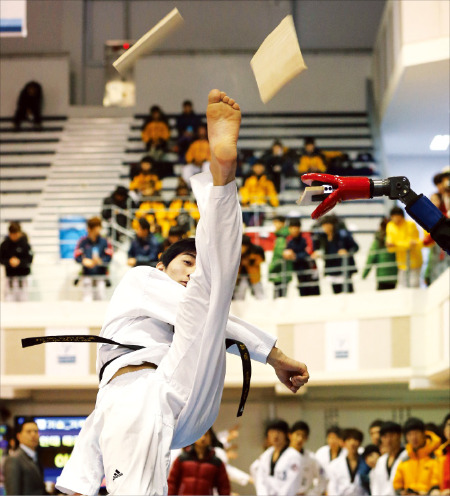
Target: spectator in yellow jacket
311,159
153,210
419,472
156,132
256,192
182,211
249,275
145,176
402,238
198,155
443,459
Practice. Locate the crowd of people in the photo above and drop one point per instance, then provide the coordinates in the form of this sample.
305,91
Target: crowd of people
413,458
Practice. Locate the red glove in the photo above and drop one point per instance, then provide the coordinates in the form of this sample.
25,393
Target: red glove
345,188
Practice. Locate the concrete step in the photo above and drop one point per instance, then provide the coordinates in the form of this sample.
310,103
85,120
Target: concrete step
21,185
24,172
25,159
117,168
51,202
28,147
18,198
30,136
88,189
64,150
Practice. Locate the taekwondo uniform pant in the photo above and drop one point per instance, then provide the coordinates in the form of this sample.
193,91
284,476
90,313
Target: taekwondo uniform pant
140,415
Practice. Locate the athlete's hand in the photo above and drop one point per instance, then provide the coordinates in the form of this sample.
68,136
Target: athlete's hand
345,188
291,373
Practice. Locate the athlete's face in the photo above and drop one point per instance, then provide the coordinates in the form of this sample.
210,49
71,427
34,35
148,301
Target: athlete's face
298,439
180,268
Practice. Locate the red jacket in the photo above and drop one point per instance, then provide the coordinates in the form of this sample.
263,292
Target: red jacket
189,475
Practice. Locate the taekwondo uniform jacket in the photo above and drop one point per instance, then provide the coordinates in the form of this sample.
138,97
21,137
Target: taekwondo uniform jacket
382,479
341,482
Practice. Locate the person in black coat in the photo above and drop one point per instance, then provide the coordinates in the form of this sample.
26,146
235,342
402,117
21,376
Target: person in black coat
29,105
16,256
113,209
337,246
145,248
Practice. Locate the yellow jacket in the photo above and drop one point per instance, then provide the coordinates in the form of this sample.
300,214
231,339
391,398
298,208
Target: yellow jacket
400,238
198,152
154,212
141,181
441,456
178,204
259,191
419,471
154,131
311,163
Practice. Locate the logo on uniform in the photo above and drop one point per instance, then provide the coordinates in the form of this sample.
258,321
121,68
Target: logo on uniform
117,474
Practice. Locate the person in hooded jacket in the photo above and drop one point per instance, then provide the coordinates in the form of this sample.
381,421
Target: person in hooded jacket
29,105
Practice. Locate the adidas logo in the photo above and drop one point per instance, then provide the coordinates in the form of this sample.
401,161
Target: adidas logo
117,474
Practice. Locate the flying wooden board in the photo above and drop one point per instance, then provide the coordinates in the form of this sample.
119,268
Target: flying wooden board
149,41
277,60
314,194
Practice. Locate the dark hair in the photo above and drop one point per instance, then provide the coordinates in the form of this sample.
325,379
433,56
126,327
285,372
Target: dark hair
295,223
280,218
147,158
26,420
353,433
187,102
438,178
431,426
155,108
277,425
335,429
369,449
397,211
447,417
14,228
144,224
413,424
121,190
183,246
389,426
376,423
246,240
309,140
259,162
300,426
94,222
329,219
177,231
215,443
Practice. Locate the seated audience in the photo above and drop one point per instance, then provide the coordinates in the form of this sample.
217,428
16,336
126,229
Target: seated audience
343,471
419,472
384,261
382,476
176,233
402,238
337,247
257,192
367,463
152,209
187,123
182,210
198,155
16,255
279,162
94,253
145,175
311,159
280,269
156,133
333,449
443,459
198,471
114,210
145,248
29,105
299,253
249,275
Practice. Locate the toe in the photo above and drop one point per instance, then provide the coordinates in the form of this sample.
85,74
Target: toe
236,106
222,95
231,102
214,96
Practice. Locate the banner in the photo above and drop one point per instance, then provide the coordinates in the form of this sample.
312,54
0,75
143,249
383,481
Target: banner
13,18
63,359
342,343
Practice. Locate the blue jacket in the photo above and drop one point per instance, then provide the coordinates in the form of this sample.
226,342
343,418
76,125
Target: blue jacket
145,251
86,249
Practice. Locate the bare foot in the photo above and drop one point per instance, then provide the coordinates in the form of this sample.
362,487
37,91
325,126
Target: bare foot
224,119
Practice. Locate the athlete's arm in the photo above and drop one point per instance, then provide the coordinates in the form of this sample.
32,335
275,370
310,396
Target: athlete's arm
291,373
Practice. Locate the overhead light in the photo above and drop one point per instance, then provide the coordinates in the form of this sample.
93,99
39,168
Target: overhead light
440,142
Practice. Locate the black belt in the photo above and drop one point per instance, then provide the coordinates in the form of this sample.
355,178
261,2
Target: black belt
243,351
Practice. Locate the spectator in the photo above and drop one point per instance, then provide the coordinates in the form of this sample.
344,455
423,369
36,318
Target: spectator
94,253
271,467
29,105
311,474
382,476
383,260
367,464
443,458
23,473
198,471
337,246
311,160
114,210
153,210
333,449
257,192
419,472
145,248
198,155
182,211
156,133
16,256
374,432
279,162
249,274
343,471
187,123
442,197
298,252
176,233
147,174
402,238
280,270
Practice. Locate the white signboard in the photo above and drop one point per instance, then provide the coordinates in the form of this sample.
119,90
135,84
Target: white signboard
13,18
63,359
342,342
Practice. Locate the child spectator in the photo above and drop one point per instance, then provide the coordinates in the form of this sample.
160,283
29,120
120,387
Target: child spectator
279,162
29,105
419,473
337,247
198,155
114,210
311,160
298,252
145,248
369,460
443,458
198,471
257,192
280,270
94,253
333,449
384,261
382,476
343,471
182,211
402,238
16,255
153,210
249,274
146,174
156,132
